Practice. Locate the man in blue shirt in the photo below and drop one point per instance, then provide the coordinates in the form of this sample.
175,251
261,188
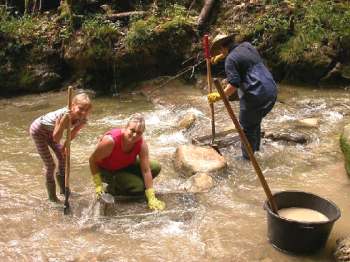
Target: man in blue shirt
247,75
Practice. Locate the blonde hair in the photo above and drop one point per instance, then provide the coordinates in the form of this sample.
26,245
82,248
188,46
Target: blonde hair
82,99
137,118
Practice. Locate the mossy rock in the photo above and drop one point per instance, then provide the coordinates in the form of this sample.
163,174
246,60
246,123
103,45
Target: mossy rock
345,147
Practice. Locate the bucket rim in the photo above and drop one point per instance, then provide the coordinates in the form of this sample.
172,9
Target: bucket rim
269,210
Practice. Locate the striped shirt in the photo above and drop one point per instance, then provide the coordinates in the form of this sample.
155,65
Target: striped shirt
49,120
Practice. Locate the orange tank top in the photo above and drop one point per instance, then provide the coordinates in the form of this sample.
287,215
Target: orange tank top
119,159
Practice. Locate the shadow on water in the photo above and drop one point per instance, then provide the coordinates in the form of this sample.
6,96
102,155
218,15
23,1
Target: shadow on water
227,223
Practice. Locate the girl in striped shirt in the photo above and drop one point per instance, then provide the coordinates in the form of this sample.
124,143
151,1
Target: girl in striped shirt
47,131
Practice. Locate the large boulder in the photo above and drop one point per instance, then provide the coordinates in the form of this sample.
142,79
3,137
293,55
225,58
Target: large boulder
345,147
190,159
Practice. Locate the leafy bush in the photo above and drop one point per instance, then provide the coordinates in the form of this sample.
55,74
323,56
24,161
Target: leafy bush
98,28
323,22
299,31
99,37
144,32
269,25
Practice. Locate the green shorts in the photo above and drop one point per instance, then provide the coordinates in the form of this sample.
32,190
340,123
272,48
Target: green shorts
129,180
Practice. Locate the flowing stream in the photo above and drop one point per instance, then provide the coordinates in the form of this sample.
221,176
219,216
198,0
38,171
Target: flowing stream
228,223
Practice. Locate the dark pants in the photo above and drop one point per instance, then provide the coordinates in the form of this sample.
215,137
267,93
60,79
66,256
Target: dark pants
129,180
250,120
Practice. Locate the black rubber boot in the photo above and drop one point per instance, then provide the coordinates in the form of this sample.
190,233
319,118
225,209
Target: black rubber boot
60,181
51,191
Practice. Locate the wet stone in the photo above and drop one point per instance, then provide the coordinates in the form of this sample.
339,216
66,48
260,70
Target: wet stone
342,250
197,183
309,122
187,121
190,159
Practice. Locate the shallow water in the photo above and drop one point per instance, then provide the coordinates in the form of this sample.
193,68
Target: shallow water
226,224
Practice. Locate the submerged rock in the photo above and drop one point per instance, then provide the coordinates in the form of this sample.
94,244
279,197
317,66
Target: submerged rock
342,250
201,182
187,121
293,137
309,122
190,159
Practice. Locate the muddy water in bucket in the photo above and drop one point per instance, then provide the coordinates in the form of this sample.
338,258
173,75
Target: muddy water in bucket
308,230
302,214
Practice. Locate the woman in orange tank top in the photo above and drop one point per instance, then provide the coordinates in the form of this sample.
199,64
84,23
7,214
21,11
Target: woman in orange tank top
121,159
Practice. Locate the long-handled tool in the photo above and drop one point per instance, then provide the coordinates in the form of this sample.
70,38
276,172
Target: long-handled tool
247,146
210,81
66,207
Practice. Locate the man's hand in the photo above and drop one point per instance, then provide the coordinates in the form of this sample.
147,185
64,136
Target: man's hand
213,97
216,59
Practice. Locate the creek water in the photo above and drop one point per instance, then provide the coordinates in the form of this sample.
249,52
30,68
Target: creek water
228,223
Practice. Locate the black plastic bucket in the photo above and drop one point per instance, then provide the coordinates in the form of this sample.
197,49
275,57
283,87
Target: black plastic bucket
300,237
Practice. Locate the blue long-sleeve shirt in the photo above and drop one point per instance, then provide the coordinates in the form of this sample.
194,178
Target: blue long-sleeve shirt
245,69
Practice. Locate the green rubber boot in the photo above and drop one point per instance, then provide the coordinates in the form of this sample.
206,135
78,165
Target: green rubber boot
51,191
60,181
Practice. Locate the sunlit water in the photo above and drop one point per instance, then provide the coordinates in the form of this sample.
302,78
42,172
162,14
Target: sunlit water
226,224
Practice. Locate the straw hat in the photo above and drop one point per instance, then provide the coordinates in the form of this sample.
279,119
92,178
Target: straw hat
218,41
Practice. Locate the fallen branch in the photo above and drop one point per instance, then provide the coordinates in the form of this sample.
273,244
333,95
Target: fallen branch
181,73
114,17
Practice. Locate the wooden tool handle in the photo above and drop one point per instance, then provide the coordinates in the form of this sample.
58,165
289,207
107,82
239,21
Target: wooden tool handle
210,83
247,146
68,139
67,167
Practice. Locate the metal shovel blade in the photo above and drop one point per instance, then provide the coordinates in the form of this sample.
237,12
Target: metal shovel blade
107,198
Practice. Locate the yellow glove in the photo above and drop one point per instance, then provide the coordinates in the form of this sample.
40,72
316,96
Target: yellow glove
216,59
213,97
153,202
98,184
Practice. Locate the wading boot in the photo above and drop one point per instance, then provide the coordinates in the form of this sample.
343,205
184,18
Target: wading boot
60,181
51,191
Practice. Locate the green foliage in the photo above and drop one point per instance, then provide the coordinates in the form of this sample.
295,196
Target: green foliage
269,25
299,31
141,33
272,2
29,30
97,28
144,32
322,22
99,36
26,79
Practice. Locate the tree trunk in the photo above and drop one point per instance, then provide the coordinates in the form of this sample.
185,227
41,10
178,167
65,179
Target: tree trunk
205,12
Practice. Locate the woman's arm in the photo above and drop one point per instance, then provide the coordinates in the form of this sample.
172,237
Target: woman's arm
104,149
145,167
152,201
